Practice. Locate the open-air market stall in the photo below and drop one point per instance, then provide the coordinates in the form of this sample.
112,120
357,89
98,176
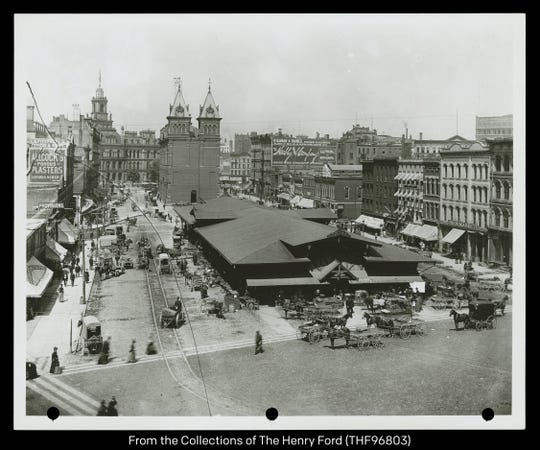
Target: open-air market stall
370,224
38,277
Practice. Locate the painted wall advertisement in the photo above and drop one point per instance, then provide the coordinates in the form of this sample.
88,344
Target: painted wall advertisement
47,160
298,151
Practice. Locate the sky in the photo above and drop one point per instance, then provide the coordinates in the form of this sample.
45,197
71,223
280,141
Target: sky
302,73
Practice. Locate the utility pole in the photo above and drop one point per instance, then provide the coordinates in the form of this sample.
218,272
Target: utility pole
81,239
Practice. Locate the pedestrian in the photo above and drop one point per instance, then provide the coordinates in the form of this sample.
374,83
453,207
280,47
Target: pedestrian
150,347
105,351
258,343
55,362
31,370
177,304
102,411
60,294
77,270
413,305
71,267
111,408
349,303
91,261
132,357
66,277
72,277
77,260
86,276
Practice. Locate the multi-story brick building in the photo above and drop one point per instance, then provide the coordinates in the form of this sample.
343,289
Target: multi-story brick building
410,190
432,188
494,127
189,156
339,187
261,165
465,193
422,148
241,164
242,143
501,203
379,186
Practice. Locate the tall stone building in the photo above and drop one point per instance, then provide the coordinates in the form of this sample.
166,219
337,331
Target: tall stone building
189,156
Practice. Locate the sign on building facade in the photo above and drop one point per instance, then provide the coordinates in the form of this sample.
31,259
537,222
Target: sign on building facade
302,152
47,160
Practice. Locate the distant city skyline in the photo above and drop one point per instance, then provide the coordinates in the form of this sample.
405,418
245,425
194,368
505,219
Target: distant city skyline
304,74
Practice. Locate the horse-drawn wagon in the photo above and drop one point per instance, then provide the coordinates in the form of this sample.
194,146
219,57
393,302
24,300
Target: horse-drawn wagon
171,318
401,325
481,315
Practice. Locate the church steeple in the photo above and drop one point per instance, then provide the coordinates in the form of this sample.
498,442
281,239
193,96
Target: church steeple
99,108
209,117
179,117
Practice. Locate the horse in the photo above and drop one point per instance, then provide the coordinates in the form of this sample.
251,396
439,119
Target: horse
460,318
384,323
369,318
369,303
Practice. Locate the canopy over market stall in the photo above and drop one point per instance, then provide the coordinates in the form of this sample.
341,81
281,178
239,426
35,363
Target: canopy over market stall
371,222
54,250
67,233
453,235
38,277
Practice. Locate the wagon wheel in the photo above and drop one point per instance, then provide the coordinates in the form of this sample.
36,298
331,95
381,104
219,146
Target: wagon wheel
492,321
478,325
405,332
314,336
420,329
251,305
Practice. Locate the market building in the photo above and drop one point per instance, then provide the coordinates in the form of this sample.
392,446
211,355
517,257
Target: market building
189,156
465,200
264,250
501,202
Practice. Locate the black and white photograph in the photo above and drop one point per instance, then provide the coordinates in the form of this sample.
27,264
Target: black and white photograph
254,221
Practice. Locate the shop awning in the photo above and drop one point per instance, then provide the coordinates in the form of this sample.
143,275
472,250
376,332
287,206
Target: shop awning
301,281
295,199
371,222
453,235
89,204
306,203
411,230
67,233
428,233
54,250
38,278
284,196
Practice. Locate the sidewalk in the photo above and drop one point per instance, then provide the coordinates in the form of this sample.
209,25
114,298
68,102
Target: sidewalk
53,330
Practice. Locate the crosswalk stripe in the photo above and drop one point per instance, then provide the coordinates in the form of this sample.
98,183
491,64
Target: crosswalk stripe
45,384
50,395
81,395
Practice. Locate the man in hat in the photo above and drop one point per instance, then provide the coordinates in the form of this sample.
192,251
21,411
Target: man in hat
102,411
111,408
258,343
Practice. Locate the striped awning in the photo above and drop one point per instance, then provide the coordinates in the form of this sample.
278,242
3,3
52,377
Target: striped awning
453,235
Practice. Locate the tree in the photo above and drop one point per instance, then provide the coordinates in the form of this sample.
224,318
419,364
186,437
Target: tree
133,176
153,171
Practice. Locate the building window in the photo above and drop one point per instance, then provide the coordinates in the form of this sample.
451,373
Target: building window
451,192
465,215
506,163
445,168
451,212
474,217
498,163
474,171
465,193
458,193
465,171
506,191
497,189
458,171
506,217
452,170
445,191
458,214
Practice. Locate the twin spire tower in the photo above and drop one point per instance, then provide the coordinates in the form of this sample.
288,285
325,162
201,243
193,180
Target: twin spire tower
189,162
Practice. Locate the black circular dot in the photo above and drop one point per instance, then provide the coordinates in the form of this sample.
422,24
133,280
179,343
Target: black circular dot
271,413
488,414
53,413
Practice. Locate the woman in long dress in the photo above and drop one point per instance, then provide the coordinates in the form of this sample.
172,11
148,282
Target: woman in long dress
131,355
60,294
55,362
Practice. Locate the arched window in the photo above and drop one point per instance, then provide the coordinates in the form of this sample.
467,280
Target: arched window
451,192
474,217
458,218
445,191
474,171
458,193
465,215
497,217
465,171
506,163
474,193
458,167
445,167
485,214
465,193
444,212
486,192
497,189
506,217
452,170
486,172
498,163
506,191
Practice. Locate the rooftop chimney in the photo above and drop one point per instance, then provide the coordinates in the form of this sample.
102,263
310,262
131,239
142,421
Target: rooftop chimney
30,113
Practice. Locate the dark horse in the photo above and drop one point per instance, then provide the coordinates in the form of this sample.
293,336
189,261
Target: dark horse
369,303
460,318
379,321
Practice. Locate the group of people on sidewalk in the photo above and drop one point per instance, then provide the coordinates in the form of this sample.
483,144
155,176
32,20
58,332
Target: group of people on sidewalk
104,356
108,410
